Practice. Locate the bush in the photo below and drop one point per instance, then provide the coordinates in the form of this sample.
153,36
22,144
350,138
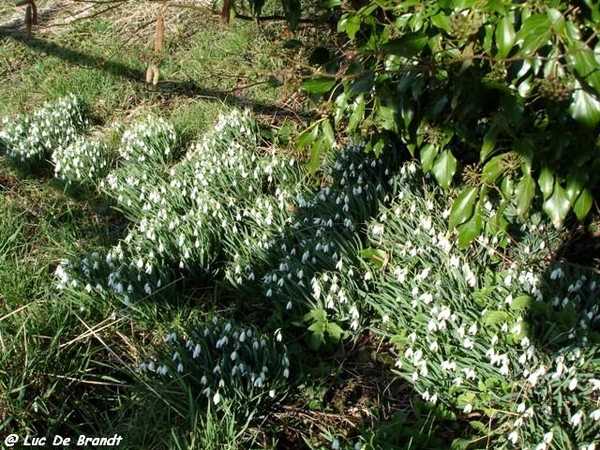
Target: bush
503,96
84,162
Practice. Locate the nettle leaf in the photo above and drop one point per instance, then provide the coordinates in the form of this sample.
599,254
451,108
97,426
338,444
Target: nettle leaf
494,317
505,36
585,109
557,206
521,302
582,205
319,85
471,229
444,168
334,331
462,207
408,45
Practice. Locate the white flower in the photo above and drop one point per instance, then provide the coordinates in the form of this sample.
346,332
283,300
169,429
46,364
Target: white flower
548,437
180,368
217,398
468,408
595,415
513,437
576,419
335,445
573,384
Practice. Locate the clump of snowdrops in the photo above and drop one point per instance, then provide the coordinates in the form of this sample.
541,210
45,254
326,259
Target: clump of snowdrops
491,331
30,139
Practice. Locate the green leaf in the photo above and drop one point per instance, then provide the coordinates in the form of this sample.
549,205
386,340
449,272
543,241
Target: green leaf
494,317
582,205
535,32
585,109
444,168
470,230
489,143
520,302
505,36
292,11
328,133
350,24
493,169
557,206
319,85
407,46
307,137
315,155
335,331
546,182
358,109
428,154
462,207
585,64
524,192
460,444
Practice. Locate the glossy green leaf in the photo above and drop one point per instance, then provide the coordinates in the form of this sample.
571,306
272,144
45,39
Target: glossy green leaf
444,168
583,204
307,137
524,194
358,109
493,169
505,36
535,32
407,46
470,230
586,64
557,206
489,143
428,153
585,109
328,133
292,11
318,85
462,207
315,156
546,182
350,24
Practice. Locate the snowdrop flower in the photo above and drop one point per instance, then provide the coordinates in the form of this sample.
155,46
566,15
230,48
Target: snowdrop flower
576,419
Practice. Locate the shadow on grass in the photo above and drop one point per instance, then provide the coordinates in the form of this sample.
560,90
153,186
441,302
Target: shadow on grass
168,88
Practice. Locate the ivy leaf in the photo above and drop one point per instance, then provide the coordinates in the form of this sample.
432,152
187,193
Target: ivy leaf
493,169
505,36
407,46
428,154
444,168
524,193
462,207
535,32
557,206
585,64
319,85
292,11
350,24
489,143
585,109
546,182
582,205
471,229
